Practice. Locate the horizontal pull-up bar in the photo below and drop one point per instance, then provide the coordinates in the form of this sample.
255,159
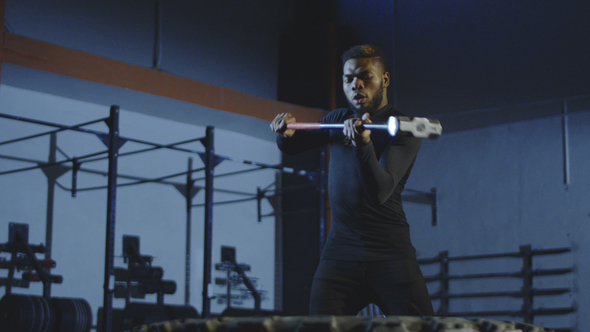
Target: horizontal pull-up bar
49,132
98,133
153,148
50,124
279,167
42,164
516,294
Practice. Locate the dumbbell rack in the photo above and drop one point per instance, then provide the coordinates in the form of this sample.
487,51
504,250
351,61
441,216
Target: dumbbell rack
23,258
230,265
36,313
140,277
137,280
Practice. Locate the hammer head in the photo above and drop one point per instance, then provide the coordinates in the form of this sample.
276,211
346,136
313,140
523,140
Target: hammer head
420,127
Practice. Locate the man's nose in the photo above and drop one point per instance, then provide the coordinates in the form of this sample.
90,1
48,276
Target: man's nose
357,84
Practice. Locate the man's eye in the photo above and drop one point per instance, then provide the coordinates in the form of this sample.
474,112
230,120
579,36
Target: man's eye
347,79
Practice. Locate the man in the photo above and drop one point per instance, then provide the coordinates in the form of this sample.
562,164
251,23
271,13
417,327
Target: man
368,256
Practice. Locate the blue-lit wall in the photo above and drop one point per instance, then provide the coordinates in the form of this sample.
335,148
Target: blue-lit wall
502,187
227,43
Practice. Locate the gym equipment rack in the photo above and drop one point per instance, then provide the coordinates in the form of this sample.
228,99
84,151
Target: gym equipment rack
527,292
113,141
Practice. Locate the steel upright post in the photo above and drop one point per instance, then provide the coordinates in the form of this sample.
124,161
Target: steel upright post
107,319
209,167
189,202
444,283
323,185
565,142
527,283
51,181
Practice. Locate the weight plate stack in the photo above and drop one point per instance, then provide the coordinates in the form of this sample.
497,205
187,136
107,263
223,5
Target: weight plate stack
25,313
72,315
44,309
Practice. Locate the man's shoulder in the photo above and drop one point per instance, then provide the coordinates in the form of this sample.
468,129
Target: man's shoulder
394,111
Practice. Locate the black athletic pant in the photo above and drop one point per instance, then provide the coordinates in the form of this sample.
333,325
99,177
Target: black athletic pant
397,287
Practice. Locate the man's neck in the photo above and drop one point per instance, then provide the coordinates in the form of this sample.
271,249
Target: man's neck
382,112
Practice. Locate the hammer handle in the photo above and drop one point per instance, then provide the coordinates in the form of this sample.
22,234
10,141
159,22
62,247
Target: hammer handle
418,127
314,125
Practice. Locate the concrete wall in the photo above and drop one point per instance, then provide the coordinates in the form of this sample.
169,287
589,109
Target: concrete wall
502,187
228,43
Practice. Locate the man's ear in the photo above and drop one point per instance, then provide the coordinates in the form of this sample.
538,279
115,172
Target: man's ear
386,79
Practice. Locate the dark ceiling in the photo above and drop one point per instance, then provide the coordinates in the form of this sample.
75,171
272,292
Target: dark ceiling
468,63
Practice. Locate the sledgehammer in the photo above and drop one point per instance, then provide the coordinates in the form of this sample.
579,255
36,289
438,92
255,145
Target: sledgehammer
418,127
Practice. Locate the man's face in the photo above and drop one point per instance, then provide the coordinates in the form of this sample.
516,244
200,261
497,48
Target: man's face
365,85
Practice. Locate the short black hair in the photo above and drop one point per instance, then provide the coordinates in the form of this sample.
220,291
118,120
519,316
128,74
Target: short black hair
365,51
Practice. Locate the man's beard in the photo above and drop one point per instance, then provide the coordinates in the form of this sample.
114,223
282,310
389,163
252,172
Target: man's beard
373,105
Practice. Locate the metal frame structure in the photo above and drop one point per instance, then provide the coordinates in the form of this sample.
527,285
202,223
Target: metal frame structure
53,169
114,141
527,292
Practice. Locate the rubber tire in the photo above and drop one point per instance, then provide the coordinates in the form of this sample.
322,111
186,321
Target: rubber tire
343,324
